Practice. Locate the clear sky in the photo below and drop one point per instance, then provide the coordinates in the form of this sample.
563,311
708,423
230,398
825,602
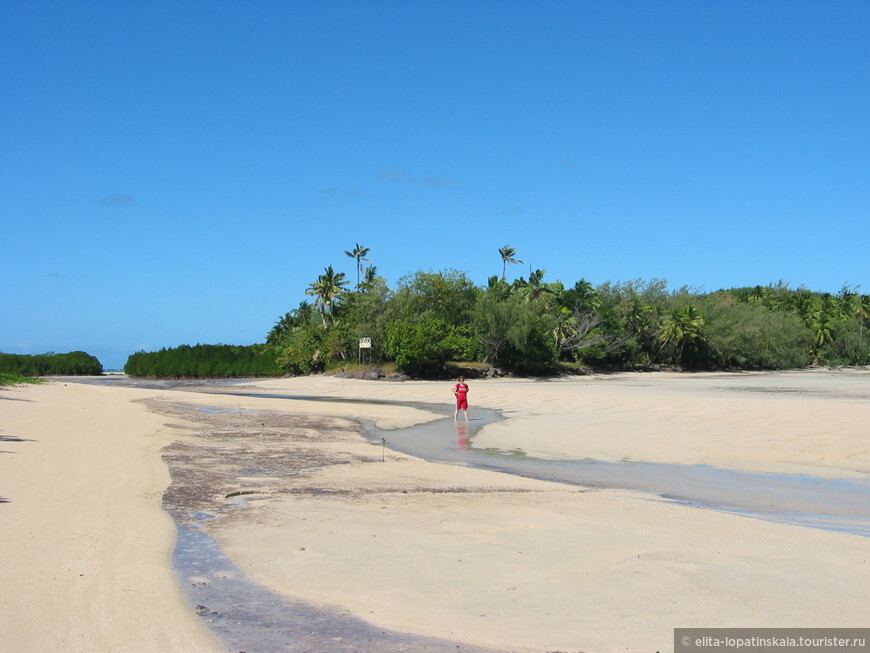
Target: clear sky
179,172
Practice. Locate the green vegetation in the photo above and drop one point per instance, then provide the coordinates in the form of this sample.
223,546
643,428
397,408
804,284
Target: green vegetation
6,378
420,348
533,326
75,363
432,320
212,361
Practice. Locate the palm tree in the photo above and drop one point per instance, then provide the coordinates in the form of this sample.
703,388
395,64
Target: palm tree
536,286
296,318
282,327
822,322
681,327
303,313
586,295
642,321
498,288
326,290
845,301
863,312
358,254
369,276
507,256
802,303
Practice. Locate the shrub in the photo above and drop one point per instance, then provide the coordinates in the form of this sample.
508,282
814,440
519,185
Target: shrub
203,361
304,351
850,344
515,334
74,363
749,336
7,378
420,348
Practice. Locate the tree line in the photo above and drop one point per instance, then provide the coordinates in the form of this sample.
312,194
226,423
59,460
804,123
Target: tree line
74,363
532,325
205,361
535,326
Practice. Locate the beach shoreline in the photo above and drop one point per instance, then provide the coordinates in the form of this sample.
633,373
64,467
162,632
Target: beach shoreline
481,558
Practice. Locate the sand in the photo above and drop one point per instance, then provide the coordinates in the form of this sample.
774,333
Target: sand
84,542
479,557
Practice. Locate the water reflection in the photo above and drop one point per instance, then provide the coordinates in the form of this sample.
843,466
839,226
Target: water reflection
462,443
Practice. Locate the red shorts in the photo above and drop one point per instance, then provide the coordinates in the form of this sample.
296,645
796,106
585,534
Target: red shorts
461,403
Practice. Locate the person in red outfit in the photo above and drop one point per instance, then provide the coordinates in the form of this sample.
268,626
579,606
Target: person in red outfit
460,391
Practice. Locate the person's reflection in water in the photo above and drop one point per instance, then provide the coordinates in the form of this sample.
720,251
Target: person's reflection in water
462,436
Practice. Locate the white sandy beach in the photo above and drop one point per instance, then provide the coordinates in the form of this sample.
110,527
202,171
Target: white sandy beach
85,545
478,557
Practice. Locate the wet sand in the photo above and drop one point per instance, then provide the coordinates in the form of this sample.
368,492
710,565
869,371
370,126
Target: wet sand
308,509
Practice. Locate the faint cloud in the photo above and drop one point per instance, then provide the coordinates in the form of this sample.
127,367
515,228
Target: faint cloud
116,200
514,210
394,174
437,182
328,193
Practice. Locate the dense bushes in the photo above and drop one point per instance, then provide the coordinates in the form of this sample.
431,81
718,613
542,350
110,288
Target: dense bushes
307,349
205,361
75,363
750,337
420,348
849,345
516,334
534,326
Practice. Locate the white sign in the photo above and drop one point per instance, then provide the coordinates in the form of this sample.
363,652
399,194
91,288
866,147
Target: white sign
365,343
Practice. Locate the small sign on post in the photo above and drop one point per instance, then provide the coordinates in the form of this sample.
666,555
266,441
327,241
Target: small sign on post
364,343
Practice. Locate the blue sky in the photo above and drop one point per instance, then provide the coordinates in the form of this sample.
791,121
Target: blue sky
179,172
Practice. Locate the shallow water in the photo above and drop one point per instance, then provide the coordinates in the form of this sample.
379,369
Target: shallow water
247,617
832,504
